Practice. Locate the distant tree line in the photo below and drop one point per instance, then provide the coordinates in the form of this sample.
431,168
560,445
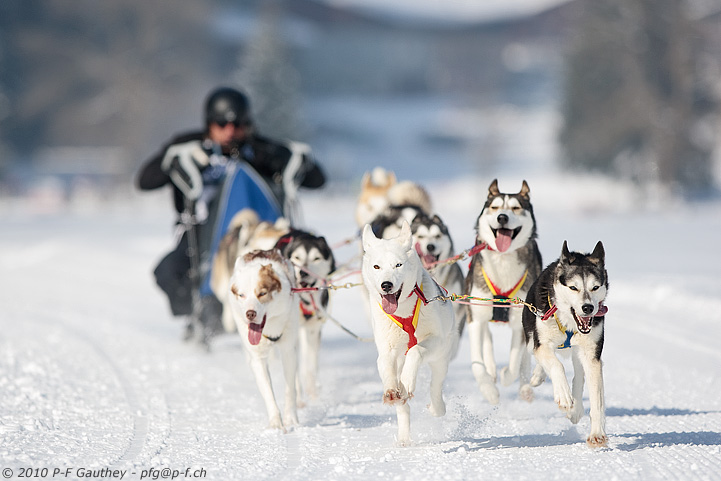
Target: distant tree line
640,96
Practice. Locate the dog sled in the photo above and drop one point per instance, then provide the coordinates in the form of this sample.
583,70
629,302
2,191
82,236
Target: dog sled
242,189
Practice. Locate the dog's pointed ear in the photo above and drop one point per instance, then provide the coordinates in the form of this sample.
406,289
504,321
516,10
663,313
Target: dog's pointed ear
598,255
493,188
238,262
566,257
525,191
392,180
406,236
366,181
368,237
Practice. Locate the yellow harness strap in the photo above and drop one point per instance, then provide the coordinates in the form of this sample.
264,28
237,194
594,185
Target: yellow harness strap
497,292
569,334
408,324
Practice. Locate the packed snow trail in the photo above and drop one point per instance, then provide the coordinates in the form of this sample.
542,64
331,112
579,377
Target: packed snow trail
93,373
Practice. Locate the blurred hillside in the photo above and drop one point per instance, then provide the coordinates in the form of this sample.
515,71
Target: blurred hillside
90,89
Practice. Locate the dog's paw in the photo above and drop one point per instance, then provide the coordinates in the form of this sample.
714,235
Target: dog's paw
597,441
276,423
403,442
396,396
562,397
437,409
538,378
507,377
490,392
291,419
526,393
575,414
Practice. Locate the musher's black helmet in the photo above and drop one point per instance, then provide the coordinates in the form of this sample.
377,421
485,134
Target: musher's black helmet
225,105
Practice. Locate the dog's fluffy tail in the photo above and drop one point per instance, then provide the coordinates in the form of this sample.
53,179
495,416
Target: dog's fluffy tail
410,193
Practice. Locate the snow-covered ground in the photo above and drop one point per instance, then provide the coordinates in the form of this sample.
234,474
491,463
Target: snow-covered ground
93,373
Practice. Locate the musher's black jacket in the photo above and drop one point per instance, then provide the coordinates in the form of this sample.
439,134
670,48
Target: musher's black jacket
268,157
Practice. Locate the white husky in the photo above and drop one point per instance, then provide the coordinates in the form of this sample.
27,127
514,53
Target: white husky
408,330
266,316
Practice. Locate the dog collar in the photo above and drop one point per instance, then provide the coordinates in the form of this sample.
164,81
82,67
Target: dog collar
569,334
409,324
480,246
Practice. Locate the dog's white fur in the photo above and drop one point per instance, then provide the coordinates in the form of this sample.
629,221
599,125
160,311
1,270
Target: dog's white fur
266,317
311,269
505,269
245,233
433,245
395,261
581,290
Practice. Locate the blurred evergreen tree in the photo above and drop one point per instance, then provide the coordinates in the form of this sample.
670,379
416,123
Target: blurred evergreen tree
639,102
100,73
268,76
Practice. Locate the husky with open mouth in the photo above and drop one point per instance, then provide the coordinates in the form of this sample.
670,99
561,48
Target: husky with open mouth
507,264
434,245
570,293
266,316
409,326
313,262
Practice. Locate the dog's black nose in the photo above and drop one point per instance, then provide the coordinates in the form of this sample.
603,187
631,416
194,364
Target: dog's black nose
250,314
386,286
587,308
430,247
502,219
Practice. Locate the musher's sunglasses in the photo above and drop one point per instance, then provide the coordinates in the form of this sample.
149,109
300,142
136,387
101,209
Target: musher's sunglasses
236,123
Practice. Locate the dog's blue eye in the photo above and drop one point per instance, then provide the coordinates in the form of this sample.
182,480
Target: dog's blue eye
399,265
573,288
595,288
261,294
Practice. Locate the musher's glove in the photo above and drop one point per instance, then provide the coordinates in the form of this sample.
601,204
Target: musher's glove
182,163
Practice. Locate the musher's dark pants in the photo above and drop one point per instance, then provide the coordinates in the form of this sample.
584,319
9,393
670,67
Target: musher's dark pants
172,275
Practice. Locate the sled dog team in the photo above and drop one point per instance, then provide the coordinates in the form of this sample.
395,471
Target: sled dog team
413,287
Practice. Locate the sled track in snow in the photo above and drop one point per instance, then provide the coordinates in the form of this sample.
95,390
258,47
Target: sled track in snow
135,407
670,431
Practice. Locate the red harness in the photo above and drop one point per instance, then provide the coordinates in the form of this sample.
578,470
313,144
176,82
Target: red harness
409,324
308,312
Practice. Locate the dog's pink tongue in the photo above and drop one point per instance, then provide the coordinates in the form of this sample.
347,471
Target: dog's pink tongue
427,259
255,332
389,303
503,239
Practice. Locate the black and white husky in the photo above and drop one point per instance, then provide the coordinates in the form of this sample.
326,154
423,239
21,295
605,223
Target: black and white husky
434,245
571,293
313,261
507,265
